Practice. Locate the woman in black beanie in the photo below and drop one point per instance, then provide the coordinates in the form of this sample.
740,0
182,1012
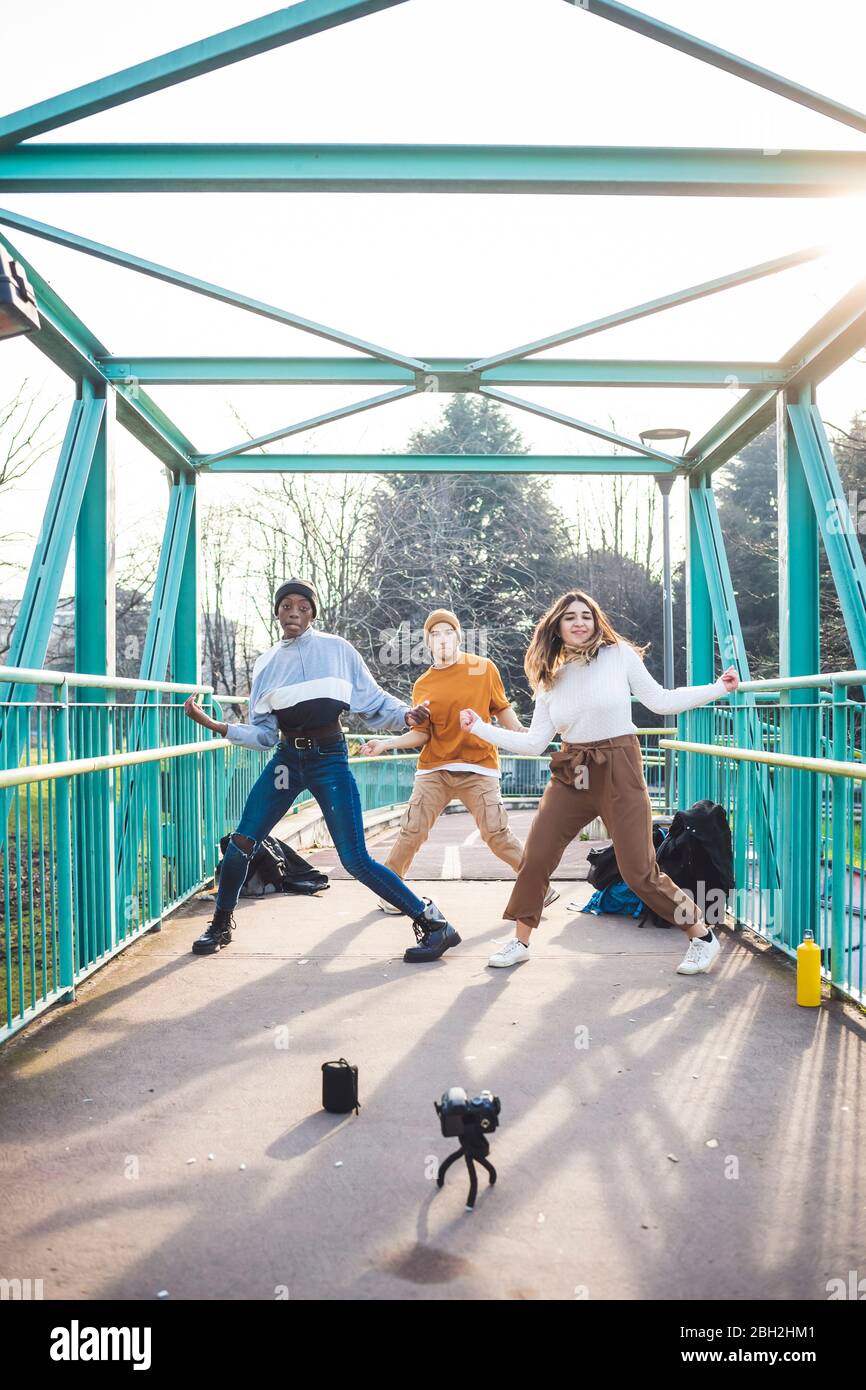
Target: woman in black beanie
299,690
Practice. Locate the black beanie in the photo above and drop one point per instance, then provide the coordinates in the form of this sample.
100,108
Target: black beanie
296,586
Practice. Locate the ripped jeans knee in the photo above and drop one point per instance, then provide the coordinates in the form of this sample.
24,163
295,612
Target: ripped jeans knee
242,843
234,869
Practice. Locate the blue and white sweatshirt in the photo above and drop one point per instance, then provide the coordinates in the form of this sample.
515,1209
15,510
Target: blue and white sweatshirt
307,681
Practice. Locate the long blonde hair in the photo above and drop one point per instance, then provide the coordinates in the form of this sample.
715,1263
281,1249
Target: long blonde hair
547,652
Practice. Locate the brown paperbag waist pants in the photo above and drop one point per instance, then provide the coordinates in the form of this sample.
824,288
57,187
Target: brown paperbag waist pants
599,778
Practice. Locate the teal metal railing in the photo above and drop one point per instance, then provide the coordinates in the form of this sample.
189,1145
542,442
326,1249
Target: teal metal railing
786,759
111,816
113,810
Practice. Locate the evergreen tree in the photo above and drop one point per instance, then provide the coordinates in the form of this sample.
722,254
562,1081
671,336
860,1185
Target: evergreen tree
492,547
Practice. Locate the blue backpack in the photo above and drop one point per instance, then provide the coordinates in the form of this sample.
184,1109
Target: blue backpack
616,898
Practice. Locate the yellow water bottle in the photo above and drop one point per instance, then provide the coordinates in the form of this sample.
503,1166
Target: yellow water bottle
808,971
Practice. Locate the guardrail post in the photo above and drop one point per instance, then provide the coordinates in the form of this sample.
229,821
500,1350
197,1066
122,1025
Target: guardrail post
154,812
220,783
207,782
840,791
743,775
62,789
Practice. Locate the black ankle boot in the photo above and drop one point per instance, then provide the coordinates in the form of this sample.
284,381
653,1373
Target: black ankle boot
217,934
434,935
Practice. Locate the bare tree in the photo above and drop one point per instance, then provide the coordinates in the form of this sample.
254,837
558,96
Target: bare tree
310,526
25,438
228,645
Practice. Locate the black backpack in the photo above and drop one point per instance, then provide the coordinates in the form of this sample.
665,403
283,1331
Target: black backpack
604,870
698,851
277,868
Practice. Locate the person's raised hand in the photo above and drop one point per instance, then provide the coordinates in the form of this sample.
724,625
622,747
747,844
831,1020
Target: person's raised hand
419,714
730,679
195,712
373,748
468,718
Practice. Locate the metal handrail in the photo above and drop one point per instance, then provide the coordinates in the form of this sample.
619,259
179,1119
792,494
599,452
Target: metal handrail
46,772
805,682
26,676
824,765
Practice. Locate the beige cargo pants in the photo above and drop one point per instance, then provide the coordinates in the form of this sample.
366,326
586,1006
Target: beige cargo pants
431,794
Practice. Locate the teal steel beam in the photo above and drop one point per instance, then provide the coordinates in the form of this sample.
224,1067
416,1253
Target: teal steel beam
340,413
599,169
38,605
261,35
42,590
700,642
186,666
359,371
179,526
439,463
803,486
713,592
94,553
723,602
808,448
652,306
830,342
70,345
825,346
693,772
558,416
745,420
204,287
651,28
186,643
148,423
172,633
95,884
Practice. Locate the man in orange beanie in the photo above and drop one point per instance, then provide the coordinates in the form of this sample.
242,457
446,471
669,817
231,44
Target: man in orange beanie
453,764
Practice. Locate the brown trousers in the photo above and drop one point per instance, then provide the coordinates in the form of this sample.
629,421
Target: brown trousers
431,794
601,778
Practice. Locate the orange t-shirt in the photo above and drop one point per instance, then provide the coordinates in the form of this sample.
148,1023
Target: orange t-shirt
472,682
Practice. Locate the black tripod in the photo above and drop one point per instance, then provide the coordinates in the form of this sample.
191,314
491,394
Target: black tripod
474,1148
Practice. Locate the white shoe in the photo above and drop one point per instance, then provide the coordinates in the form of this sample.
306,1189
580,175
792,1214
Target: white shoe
700,956
552,895
389,907
512,953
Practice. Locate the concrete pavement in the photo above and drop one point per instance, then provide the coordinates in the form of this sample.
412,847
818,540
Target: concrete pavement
660,1136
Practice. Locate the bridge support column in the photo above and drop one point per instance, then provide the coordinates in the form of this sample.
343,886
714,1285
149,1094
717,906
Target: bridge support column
94,798
799,654
694,784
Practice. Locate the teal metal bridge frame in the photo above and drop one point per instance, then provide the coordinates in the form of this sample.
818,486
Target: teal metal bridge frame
111,387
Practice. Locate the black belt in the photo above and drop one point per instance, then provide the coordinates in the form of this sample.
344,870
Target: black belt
313,736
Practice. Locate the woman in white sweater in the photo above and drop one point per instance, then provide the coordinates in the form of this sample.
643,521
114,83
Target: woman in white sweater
583,674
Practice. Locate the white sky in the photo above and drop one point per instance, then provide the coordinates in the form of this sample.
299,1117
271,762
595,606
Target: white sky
439,275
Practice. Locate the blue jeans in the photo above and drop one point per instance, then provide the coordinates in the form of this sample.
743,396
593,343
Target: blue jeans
325,771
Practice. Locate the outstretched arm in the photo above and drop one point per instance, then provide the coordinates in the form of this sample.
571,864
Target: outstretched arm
415,738
683,697
507,719
375,705
531,741
262,730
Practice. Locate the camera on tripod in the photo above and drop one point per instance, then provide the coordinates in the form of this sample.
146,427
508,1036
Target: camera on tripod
459,1115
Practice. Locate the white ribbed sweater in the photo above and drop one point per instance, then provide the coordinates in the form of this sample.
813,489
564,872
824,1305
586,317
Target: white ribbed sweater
594,701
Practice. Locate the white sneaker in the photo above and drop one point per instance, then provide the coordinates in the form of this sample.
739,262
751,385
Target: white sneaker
552,895
700,956
512,953
389,907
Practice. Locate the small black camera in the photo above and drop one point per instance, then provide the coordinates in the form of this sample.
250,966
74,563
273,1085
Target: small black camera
459,1116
